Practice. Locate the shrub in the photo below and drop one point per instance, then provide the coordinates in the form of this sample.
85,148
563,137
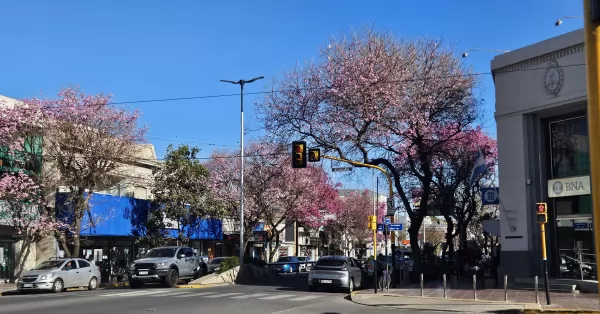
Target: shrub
228,264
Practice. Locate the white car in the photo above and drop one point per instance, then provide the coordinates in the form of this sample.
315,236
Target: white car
304,267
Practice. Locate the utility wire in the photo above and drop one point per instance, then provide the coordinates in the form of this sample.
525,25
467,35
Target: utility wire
298,89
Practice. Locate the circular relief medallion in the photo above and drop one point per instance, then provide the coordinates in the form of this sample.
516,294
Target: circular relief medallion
554,78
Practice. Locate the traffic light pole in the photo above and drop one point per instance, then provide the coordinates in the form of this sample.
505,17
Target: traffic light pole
391,185
592,55
545,261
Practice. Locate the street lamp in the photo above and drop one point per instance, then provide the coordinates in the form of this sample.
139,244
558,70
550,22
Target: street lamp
560,21
242,83
466,53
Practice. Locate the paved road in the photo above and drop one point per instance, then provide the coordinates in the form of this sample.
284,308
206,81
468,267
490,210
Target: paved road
224,299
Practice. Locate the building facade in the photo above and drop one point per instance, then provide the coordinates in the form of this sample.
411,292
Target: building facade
543,153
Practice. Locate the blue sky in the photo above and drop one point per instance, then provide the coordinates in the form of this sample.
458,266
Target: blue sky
144,50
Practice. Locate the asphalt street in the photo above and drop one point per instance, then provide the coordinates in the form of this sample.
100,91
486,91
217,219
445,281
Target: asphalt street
221,299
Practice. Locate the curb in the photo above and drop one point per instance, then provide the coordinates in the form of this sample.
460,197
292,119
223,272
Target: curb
526,306
199,286
113,285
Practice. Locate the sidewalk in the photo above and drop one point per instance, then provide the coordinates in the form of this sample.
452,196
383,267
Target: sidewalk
571,301
434,304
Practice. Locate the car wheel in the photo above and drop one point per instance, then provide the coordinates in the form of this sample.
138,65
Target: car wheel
58,286
172,278
134,284
93,284
350,285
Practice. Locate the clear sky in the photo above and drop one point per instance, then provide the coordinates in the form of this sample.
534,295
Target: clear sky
145,50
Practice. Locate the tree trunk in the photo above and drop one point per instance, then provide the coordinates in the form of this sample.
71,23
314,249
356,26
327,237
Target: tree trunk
449,237
413,231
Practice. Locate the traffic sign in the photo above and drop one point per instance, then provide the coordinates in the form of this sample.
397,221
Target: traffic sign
341,169
395,227
391,209
490,196
379,227
387,220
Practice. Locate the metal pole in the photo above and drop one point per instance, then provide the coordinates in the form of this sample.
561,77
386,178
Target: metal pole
445,286
422,284
242,247
505,288
580,266
592,55
474,287
375,267
537,297
545,260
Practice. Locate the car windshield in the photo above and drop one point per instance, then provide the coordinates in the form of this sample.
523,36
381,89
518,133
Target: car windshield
217,261
162,252
48,265
330,262
284,259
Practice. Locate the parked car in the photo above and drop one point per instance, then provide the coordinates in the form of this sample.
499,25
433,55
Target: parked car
59,274
215,263
286,264
336,272
166,265
570,267
304,267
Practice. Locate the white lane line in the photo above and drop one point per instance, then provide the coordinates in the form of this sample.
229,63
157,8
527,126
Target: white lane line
126,294
256,295
222,295
195,294
170,294
279,296
310,297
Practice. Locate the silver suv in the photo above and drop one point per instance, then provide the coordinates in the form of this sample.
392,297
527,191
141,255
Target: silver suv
59,274
165,265
335,272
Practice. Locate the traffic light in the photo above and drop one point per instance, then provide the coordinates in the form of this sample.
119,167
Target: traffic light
373,222
299,154
541,213
314,155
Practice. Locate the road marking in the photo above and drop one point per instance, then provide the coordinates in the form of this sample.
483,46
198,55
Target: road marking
195,294
280,296
309,297
222,295
134,293
256,295
170,294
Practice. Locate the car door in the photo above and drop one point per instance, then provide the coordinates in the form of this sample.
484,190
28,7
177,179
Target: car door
356,271
85,271
70,275
190,260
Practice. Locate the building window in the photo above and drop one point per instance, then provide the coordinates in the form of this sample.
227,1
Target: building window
570,148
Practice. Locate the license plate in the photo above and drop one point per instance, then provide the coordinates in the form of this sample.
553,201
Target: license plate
143,272
27,285
325,281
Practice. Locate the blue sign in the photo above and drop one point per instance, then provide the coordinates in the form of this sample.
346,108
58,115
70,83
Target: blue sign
379,227
387,220
395,227
490,196
582,226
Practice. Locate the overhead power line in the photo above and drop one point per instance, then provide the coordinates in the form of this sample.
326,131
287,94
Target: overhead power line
301,89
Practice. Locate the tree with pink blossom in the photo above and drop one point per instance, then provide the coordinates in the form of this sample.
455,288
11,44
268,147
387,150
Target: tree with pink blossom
372,97
274,193
86,142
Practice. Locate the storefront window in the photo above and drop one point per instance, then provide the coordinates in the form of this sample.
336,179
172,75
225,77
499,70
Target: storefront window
570,148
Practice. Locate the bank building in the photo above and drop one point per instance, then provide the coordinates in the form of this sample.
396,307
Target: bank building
543,154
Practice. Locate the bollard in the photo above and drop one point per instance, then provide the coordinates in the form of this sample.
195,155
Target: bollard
505,288
421,284
474,287
445,287
537,297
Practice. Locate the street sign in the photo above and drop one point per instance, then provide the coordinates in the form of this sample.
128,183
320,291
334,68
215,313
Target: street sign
341,169
379,227
391,209
395,227
490,196
387,220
